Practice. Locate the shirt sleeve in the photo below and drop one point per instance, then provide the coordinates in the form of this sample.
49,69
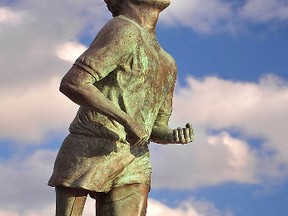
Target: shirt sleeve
112,48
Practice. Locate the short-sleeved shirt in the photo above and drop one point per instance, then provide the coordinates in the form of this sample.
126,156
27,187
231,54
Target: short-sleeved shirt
138,76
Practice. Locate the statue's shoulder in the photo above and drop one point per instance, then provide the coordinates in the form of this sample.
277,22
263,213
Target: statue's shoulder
120,27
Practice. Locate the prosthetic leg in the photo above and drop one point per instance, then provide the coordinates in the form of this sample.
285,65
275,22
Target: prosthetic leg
126,200
70,201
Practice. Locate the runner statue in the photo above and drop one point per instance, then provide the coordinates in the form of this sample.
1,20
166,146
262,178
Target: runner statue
124,85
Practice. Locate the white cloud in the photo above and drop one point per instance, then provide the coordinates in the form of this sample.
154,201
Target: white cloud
45,27
200,15
253,110
29,48
25,192
211,160
32,51
45,211
238,157
191,207
70,51
31,113
24,181
208,16
8,213
8,16
265,10
155,208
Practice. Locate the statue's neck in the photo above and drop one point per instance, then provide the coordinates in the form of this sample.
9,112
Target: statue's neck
145,15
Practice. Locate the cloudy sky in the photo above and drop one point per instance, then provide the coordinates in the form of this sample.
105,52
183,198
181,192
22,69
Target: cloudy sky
232,86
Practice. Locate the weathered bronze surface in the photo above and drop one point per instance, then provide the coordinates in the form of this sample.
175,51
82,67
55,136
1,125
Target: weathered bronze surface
124,84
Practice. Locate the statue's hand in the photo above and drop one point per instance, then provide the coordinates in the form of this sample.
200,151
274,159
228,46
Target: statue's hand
136,135
183,135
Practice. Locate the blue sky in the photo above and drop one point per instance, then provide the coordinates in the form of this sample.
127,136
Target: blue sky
232,86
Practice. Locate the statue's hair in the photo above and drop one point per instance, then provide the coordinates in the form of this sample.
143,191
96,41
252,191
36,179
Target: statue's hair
113,6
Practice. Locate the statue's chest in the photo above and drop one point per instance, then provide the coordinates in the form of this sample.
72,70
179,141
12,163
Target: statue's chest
148,69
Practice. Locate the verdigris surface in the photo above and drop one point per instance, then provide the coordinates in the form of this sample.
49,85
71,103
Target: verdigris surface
124,84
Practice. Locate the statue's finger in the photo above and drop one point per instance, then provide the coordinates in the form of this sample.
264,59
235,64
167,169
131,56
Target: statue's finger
141,142
175,135
191,133
187,135
137,144
181,135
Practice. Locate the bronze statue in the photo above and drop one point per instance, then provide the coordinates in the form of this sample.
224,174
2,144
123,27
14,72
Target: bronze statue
124,84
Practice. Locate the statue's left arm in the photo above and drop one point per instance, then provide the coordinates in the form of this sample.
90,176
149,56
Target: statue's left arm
163,134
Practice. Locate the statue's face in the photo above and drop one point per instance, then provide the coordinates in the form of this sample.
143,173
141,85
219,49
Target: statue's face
161,4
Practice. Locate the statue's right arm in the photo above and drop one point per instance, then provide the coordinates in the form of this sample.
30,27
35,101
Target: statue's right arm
78,86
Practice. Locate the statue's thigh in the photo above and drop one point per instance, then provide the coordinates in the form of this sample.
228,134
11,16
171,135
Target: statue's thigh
127,200
69,201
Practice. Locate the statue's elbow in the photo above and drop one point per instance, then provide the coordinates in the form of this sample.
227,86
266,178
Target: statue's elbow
65,88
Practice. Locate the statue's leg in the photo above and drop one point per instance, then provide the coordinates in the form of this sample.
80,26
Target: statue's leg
70,201
127,200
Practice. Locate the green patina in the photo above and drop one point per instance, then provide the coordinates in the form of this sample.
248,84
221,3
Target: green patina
124,84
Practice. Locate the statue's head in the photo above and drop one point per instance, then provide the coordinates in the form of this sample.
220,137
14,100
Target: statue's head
114,5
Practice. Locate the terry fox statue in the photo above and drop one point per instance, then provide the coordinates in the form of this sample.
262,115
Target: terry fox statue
124,84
